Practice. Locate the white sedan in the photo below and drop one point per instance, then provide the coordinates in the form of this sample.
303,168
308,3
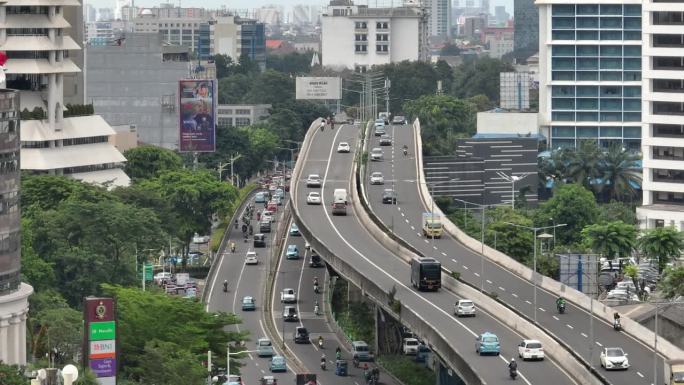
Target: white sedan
376,178
464,307
288,296
343,147
614,359
530,350
251,258
314,198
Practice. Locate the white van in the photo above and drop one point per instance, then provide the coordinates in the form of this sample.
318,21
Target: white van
340,195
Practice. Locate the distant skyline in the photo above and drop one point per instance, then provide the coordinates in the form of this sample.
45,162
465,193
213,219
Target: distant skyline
249,4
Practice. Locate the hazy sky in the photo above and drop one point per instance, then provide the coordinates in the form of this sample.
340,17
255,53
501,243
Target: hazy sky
246,4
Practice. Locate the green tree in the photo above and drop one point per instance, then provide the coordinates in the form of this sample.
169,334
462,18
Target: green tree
481,102
45,192
662,243
617,211
195,196
271,87
286,124
40,303
148,161
409,81
233,89
294,63
584,164
153,323
63,334
511,240
620,173
450,49
672,284
442,119
168,364
479,76
611,239
445,73
247,66
224,66
573,205
262,146
11,375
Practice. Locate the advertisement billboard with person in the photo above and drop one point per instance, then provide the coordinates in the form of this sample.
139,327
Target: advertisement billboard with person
197,100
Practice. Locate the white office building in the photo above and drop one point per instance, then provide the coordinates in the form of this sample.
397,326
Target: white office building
357,37
590,72
35,36
663,115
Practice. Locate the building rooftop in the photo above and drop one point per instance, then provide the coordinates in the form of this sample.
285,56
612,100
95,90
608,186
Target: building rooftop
44,159
73,127
114,177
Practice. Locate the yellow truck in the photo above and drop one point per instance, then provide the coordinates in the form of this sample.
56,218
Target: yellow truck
432,225
674,372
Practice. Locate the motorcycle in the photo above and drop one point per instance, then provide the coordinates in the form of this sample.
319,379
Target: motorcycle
513,373
561,308
616,325
225,287
316,289
320,343
405,151
322,363
316,310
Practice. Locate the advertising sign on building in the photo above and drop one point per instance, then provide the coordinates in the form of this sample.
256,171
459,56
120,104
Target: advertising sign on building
318,88
197,106
100,339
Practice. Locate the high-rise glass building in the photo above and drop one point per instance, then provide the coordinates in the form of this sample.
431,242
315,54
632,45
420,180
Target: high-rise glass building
663,115
526,34
590,72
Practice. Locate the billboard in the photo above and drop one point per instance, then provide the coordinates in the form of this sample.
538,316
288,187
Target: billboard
318,88
100,338
197,101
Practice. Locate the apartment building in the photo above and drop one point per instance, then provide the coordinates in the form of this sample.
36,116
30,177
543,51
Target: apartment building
40,66
358,37
590,72
663,115
240,115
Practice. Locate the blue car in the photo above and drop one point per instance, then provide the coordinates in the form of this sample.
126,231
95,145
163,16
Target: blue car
248,303
278,364
292,252
294,230
487,343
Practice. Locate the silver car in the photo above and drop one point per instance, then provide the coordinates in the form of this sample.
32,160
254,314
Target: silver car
464,307
376,154
377,178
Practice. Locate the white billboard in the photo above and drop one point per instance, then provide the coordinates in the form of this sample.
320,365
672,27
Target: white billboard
321,88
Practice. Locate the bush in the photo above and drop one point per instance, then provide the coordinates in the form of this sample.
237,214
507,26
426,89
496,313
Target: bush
456,275
217,233
407,370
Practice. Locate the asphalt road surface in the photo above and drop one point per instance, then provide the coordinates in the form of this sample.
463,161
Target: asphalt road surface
347,239
573,327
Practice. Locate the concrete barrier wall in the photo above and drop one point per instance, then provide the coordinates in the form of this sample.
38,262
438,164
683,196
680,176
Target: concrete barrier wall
578,298
380,295
560,354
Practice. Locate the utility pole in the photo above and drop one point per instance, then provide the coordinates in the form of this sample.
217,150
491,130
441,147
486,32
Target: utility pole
222,167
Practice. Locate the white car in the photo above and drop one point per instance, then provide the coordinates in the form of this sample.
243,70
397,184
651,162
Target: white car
251,258
464,307
343,147
376,178
314,198
288,296
376,153
314,180
614,359
410,346
161,277
530,350
267,216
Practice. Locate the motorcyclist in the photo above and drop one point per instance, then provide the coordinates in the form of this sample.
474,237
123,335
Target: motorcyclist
616,319
323,359
338,353
405,149
316,308
232,246
560,302
315,284
320,341
225,285
513,366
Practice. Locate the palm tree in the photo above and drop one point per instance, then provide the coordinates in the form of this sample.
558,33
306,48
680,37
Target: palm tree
583,164
662,243
620,173
611,239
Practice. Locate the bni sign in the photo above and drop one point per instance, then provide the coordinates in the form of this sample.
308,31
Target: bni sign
100,339
318,88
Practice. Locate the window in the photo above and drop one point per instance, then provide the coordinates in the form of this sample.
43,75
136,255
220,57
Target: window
668,131
668,85
665,175
9,202
668,63
382,37
382,48
668,153
361,37
242,112
226,111
361,48
225,122
360,68
9,162
563,132
361,25
9,243
668,18
381,25
240,122
663,40
668,108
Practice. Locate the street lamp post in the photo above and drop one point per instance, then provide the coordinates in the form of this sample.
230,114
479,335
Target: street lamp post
228,354
482,240
513,178
534,273
222,166
431,186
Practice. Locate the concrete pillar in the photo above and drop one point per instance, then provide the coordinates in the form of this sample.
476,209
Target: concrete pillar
4,330
22,338
52,99
354,293
14,338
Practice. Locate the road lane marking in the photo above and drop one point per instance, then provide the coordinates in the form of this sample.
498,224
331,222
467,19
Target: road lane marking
402,214
570,326
476,274
640,375
489,282
444,254
514,295
528,302
542,309
599,344
556,318
501,288
434,247
465,267
584,335
413,228
426,241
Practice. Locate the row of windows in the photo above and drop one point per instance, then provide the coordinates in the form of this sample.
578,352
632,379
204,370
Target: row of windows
86,140
596,91
27,31
666,197
668,85
627,23
364,48
589,104
595,35
616,116
588,64
596,51
595,9
9,243
9,162
668,153
632,132
9,202
630,144
670,176
628,76
29,10
239,122
378,25
378,37
668,18
668,108
668,41
8,126
668,131
668,63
